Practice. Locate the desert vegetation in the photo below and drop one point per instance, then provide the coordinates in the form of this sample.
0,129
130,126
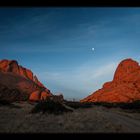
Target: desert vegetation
50,106
76,104
51,117
133,106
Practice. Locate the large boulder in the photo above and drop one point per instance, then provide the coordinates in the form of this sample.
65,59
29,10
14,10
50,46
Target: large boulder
125,86
17,77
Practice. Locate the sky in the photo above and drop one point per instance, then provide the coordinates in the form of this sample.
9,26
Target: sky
56,44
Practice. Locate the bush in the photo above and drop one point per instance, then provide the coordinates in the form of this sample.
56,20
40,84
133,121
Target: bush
50,106
135,105
77,105
105,104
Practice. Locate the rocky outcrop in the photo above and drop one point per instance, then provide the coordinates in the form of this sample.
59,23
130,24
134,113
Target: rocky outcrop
12,66
39,94
17,77
57,98
125,86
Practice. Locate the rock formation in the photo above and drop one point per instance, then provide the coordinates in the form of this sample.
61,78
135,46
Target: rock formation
14,76
125,86
57,98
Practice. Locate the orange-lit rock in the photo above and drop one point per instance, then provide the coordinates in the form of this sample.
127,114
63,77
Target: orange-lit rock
125,86
15,76
12,66
35,96
44,95
125,69
35,79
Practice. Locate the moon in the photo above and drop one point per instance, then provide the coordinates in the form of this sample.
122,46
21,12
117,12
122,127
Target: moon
93,49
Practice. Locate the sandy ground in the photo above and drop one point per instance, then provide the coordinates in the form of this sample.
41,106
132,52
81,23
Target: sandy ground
18,119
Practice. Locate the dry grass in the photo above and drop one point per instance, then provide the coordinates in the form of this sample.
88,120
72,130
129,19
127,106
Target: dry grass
18,119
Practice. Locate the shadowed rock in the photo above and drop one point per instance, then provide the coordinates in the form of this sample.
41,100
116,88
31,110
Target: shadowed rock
9,95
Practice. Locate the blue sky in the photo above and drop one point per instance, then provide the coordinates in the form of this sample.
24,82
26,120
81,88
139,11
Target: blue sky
56,44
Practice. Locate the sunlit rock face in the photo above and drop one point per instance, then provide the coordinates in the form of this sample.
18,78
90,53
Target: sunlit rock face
15,76
39,95
12,66
125,86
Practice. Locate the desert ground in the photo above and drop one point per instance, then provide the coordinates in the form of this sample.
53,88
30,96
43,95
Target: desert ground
17,118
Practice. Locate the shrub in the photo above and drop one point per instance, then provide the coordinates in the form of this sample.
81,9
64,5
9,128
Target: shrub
134,106
49,106
105,104
77,105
